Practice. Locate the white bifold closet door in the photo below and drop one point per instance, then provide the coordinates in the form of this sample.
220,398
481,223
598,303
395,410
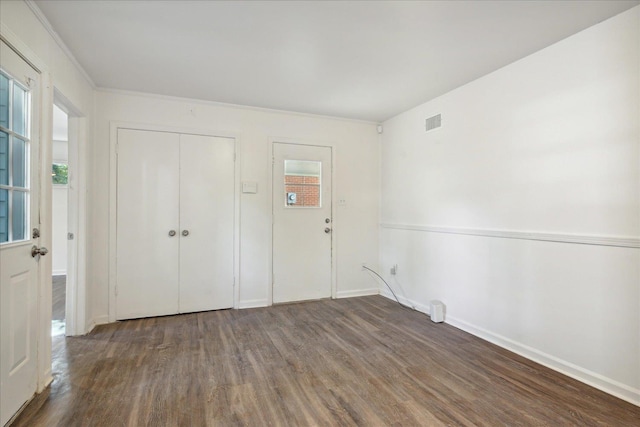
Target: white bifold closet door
175,223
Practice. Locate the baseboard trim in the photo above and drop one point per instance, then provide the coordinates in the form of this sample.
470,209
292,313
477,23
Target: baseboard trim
357,293
593,379
99,320
582,239
422,308
253,303
48,379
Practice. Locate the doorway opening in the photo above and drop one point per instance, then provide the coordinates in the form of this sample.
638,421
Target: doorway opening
60,215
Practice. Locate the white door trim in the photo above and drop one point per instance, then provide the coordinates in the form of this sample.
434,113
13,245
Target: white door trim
335,220
113,180
76,293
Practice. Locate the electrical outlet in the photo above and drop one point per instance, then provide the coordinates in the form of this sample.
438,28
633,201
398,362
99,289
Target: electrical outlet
394,269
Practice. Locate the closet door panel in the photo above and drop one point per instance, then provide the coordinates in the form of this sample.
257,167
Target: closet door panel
207,213
147,209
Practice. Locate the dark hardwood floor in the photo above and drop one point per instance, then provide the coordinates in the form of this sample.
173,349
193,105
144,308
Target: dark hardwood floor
359,361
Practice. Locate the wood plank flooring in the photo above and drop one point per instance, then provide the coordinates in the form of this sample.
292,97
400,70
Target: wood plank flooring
359,361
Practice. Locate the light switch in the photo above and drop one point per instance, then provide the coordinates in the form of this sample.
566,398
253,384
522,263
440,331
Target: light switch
250,187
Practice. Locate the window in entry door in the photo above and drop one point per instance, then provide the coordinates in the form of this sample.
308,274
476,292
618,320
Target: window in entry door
14,160
302,183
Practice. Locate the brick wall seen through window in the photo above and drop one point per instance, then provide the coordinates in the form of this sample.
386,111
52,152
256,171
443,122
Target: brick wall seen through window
307,189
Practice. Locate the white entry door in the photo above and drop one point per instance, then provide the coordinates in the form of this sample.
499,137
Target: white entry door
302,222
175,223
19,212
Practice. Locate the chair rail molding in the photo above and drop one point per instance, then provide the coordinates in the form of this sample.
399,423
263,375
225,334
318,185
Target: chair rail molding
581,239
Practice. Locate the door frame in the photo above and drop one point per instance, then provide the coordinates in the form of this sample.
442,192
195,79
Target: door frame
76,292
114,126
335,224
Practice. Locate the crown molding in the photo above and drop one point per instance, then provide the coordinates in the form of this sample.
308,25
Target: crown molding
196,101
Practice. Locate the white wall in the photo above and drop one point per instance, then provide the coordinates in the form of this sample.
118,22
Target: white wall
356,179
59,217
547,148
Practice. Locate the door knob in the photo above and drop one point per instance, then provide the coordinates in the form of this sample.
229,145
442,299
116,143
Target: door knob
185,233
327,220
327,230
36,251
172,233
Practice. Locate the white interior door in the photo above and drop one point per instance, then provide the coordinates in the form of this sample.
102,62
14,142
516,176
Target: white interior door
19,212
302,222
147,213
207,188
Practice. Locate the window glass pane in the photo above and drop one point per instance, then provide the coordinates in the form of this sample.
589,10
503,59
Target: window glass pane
302,183
4,158
19,214
19,110
4,101
60,173
19,163
4,216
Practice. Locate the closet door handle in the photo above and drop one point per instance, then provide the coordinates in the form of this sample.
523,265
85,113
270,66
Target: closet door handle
172,233
185,233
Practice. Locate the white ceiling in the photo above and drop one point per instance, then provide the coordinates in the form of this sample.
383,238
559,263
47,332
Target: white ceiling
354,59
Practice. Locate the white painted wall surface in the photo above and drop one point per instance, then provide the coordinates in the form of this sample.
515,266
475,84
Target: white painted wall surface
21,22
356,179
549,144
59,218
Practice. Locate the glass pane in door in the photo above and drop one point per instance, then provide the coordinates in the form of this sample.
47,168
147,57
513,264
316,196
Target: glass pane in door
4,216
19,226
4,158
19,163
4,101
302,180
19,110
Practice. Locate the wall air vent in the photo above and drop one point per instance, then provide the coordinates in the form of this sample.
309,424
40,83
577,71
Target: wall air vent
434,122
